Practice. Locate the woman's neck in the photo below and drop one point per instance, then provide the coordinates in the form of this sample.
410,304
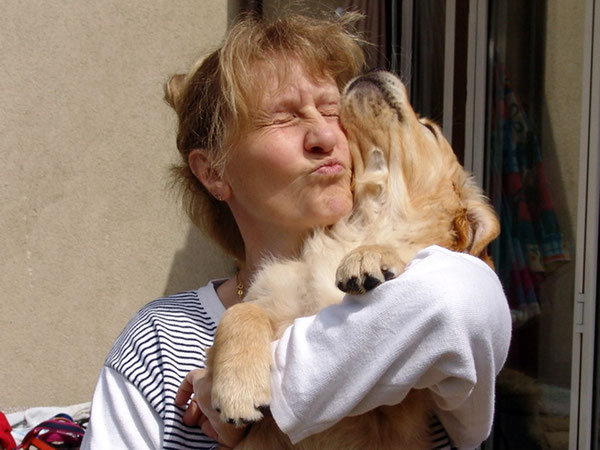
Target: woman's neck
274,246
256,252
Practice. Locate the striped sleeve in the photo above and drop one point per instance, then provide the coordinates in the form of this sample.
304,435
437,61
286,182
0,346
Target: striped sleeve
162,343
439,436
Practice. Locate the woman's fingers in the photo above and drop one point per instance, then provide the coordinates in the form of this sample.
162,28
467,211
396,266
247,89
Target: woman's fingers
186,388
192,415
200,413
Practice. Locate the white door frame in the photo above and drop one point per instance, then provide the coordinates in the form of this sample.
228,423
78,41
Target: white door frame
475,108
586,263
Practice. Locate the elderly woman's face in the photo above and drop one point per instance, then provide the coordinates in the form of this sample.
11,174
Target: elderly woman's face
293,169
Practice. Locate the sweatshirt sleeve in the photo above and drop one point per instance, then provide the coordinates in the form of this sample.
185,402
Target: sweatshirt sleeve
444,325
121,418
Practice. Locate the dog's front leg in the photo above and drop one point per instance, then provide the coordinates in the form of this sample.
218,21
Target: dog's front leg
239,363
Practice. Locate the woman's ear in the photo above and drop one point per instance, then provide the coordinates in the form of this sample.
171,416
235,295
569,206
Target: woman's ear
207,175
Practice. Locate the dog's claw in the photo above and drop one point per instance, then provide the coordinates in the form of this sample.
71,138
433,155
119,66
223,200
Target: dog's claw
371,282
260,412
388,275
352,285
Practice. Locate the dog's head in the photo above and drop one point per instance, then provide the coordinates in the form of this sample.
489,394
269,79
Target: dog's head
404,163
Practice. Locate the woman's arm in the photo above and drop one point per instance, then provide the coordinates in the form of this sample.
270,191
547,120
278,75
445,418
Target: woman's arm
443,325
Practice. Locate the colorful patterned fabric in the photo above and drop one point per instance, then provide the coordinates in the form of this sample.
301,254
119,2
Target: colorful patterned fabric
531,243
6,439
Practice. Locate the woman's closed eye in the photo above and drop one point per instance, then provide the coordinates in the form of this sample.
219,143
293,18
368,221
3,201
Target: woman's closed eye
329,108
283,118
275,119
333,113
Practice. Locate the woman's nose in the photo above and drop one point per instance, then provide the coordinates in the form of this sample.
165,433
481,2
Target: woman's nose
321,136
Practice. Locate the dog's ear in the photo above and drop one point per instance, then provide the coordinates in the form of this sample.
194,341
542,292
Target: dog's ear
475,224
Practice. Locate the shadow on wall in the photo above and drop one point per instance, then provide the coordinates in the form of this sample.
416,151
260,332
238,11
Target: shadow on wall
199,261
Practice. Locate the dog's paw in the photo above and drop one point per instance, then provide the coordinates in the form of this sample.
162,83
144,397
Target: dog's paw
241,400
366,267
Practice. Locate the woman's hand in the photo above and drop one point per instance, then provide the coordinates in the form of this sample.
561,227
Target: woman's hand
200,411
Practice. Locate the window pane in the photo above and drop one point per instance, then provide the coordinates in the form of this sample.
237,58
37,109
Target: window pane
428,58
532,178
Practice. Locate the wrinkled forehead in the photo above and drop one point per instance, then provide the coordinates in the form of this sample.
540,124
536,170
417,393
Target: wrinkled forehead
279,77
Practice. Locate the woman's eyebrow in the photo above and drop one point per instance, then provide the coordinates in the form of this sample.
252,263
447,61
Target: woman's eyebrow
331,95
281,102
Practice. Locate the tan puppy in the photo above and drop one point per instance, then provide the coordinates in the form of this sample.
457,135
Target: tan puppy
410,192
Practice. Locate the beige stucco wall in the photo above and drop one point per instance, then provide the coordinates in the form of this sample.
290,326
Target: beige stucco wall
89,232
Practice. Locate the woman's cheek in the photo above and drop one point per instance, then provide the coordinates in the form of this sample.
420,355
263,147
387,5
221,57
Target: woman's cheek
341,204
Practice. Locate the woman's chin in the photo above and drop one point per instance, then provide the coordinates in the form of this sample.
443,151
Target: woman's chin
336,208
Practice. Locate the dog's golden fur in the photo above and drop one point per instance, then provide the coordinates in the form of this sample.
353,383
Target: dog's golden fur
410,192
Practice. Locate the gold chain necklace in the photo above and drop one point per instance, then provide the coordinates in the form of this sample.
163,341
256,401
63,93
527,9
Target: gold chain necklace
240,286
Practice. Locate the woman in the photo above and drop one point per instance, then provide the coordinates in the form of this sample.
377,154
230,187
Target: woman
265,161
